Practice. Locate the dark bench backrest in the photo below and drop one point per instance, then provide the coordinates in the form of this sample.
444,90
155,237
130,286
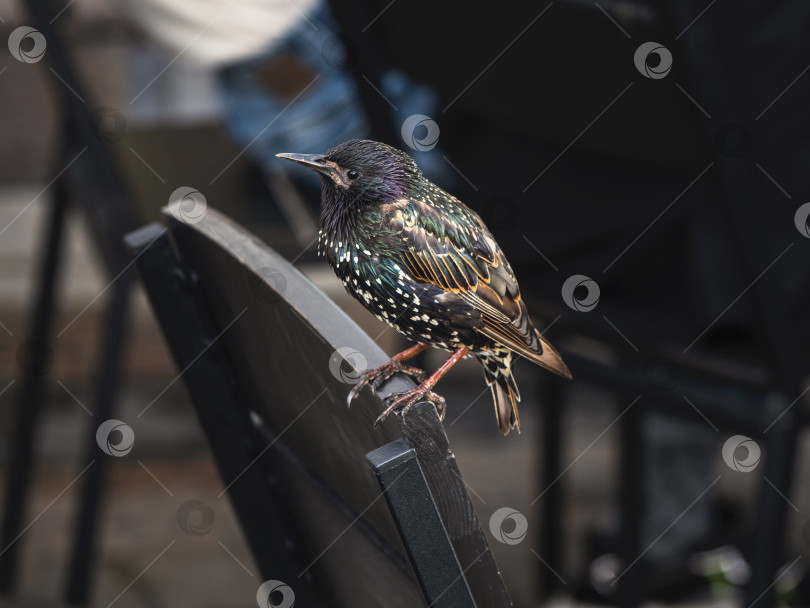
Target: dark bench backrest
268,379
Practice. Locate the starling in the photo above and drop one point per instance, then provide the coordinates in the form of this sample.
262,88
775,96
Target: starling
423,262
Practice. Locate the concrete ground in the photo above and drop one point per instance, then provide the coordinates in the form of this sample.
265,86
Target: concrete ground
149,559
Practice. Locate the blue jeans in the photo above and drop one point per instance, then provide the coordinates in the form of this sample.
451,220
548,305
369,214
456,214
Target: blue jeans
318,116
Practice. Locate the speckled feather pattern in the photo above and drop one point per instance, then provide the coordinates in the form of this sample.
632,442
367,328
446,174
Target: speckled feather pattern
420,260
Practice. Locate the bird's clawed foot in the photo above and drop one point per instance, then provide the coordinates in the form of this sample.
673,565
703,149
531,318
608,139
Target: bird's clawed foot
402,402
375,377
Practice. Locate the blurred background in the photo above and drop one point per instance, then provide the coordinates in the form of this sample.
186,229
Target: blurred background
642,164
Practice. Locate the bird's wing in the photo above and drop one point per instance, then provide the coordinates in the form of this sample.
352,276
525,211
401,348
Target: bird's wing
448,245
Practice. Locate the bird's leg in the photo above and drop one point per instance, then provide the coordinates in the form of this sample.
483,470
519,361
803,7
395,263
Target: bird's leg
401,402
394,365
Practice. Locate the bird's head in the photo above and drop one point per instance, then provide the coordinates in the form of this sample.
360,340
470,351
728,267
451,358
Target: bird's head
361,172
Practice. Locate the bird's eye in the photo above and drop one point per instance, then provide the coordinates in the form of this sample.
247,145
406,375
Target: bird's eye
353,174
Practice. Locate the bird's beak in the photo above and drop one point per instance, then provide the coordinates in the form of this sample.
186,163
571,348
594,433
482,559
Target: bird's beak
313,161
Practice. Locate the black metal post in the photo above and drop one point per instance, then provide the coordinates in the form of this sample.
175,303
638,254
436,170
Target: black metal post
29,403
768,538
631,584
110,363
551,518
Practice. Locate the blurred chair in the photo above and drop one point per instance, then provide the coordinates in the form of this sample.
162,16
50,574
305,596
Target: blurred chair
85,174
564,144
94,173
269,361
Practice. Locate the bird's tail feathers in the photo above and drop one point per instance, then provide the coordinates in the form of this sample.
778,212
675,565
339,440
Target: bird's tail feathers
551,359
505,394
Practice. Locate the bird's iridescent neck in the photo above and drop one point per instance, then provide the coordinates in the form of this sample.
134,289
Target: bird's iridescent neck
339,222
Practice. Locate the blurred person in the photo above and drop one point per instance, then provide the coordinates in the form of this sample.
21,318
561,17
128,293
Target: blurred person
271,65
280,71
